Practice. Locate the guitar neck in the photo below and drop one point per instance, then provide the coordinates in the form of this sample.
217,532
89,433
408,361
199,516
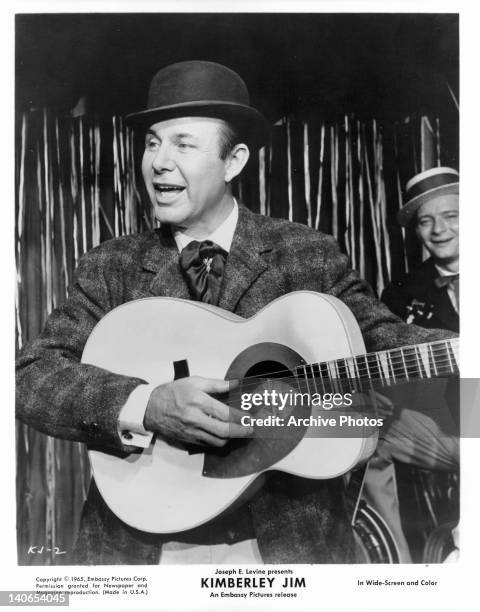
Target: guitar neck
384,368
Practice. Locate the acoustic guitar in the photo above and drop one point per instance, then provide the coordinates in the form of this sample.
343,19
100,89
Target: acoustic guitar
303,342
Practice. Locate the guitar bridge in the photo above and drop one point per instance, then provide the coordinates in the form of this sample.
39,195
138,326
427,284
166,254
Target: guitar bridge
180,369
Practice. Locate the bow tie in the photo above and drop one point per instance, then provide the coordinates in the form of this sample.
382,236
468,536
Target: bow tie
202,264
444,281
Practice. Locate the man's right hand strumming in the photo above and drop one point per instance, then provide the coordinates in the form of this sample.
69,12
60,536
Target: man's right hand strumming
185,411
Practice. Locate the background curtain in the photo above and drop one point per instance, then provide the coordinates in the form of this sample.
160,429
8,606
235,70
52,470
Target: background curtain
78,184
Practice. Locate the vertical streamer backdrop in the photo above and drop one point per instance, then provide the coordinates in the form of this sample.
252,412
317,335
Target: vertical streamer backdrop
78,184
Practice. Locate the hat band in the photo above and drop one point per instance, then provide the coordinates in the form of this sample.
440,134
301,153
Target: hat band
431,182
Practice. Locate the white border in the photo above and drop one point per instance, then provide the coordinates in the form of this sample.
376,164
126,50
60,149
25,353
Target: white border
174,588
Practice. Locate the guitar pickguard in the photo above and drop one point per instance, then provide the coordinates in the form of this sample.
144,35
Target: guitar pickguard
270,444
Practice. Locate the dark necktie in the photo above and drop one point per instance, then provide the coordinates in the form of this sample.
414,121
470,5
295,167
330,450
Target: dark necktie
202,264
451,279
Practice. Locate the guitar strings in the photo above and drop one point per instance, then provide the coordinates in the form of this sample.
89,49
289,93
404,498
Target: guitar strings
405,361
413,368
339,381
412,365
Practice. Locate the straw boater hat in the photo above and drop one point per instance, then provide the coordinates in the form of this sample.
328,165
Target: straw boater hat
202,89
427,186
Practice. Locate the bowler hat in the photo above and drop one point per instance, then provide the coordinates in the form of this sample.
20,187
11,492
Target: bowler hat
202,89
426,186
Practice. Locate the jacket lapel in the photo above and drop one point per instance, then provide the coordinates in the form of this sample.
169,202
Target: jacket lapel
244,264
436,299
161,261
445,312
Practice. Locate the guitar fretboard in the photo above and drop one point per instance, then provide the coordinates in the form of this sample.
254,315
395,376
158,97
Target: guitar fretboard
382,368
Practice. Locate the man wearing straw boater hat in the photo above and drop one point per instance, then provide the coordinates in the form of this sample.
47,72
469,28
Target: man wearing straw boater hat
422,437
429,295
199,130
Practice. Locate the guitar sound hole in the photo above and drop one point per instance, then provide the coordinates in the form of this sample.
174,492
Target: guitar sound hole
265,360
268,369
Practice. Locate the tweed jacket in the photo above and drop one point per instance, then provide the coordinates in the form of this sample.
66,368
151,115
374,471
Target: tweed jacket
63,398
